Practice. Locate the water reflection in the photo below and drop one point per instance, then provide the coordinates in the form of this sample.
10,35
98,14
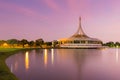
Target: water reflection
27,60
11,68
117,56
16,65
69,64
45,57
52,55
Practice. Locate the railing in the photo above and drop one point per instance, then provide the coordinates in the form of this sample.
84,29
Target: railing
81,45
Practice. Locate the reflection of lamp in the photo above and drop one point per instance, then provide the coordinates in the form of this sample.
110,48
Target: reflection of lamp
45,57
52,55
27,60
117,54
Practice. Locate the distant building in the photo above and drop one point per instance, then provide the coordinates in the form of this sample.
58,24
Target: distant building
80,40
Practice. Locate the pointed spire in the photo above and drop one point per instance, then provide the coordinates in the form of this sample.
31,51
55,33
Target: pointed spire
80,20
80,31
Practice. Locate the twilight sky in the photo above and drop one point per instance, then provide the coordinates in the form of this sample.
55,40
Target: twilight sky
55,19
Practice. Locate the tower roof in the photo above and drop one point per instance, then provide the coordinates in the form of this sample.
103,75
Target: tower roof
80,33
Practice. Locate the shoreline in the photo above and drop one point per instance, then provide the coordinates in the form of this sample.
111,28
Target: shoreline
5,73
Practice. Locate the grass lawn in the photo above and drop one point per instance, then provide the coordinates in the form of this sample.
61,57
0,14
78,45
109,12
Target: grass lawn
7,49
5,73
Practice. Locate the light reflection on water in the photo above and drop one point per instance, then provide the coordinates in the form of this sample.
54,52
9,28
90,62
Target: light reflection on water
52,55
27,60
66,64
45,57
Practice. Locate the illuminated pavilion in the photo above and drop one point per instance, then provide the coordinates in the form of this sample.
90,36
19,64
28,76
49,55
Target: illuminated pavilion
80,40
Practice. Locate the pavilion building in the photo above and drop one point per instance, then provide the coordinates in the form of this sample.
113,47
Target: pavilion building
80,40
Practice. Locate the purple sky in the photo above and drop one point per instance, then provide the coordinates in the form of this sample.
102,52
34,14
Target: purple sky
55,19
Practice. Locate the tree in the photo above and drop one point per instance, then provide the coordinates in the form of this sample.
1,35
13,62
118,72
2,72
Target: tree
110,44
48,44
54,43
31,43
23,42
39,42
2,42
12,42
117,44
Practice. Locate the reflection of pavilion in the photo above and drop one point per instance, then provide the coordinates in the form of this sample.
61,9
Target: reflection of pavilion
78,59
80,40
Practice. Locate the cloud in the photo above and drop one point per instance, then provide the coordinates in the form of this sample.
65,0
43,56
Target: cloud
20,10
73,5
53,5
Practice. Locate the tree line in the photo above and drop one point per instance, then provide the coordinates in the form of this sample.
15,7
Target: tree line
112,44
40,43
13,43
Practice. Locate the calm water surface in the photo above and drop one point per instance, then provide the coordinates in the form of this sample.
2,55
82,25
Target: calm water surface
66,64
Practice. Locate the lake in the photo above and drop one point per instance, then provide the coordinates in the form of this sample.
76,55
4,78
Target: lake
66,64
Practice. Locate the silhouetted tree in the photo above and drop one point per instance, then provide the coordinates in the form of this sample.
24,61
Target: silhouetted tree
54,43
31,43
39,42
12,41
2,42
110,44
23,42
117,44
48,43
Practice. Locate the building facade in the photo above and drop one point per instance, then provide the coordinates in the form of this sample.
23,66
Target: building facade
80,40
